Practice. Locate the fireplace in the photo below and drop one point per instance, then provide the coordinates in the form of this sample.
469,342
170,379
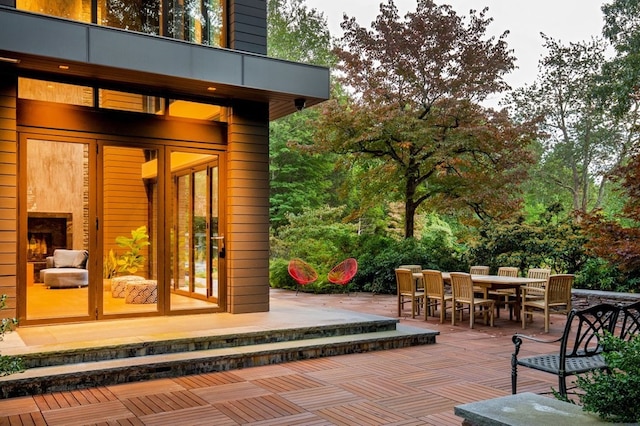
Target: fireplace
47,232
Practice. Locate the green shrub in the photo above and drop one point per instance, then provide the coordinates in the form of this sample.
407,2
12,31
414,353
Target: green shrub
8,364
614,395
279,275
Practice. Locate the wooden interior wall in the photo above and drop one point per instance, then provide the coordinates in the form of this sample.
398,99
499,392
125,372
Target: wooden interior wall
126,204
8,192
247,208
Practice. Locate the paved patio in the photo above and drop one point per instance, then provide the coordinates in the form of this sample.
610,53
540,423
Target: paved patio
411,386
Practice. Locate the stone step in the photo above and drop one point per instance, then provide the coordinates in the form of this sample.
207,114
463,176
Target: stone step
106,349
137,367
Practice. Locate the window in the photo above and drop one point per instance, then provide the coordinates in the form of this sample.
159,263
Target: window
196,21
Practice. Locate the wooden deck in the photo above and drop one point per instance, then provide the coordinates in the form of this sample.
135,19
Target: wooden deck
411,386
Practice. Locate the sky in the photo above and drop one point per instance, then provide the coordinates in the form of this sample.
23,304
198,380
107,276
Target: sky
564,20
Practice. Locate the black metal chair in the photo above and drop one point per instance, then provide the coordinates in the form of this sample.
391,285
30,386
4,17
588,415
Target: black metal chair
630,321
580,349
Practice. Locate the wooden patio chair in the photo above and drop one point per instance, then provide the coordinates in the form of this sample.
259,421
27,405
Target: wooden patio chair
407,292
556,298
480,270
417,277
505,297
463,294
541,273
435,294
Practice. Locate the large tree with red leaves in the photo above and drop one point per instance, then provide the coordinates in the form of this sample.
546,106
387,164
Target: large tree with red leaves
411,112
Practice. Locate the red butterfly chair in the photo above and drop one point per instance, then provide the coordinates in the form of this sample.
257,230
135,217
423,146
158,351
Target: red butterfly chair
301,272
343,272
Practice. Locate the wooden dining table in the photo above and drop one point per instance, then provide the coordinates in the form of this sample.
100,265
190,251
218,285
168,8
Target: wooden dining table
499,282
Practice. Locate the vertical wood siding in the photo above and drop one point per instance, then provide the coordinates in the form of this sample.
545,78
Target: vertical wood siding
248,25
8,192
248,209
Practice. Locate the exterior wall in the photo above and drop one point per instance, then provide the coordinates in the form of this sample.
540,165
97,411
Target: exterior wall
8,193
248,26
247,207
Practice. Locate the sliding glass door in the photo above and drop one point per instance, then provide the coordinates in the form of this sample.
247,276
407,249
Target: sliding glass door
197,240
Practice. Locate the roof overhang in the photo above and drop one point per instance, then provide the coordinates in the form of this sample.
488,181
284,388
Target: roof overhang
117,58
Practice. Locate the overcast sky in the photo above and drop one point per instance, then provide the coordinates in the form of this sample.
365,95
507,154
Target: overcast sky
565,20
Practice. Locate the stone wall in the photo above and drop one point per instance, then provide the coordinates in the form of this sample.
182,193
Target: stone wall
582,299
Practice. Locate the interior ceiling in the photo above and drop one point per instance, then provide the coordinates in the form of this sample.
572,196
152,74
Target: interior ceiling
280,104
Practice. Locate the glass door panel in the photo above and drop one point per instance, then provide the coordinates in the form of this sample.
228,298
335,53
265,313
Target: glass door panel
57,238
196,240
129,265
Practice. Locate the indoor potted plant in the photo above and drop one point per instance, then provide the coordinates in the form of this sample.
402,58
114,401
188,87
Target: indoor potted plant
132,259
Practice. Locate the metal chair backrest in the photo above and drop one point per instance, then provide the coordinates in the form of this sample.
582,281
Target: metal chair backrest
558,290
404,281
479,270
630,325
433,283
508,271
584,329
461,286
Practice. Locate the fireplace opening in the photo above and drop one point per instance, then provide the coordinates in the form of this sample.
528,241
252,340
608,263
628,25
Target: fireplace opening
47,232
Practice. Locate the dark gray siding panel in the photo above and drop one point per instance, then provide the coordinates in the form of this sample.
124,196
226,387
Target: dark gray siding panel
66,41
286,77
248,25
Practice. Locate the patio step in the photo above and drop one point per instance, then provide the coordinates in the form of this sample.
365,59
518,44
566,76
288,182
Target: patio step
70,369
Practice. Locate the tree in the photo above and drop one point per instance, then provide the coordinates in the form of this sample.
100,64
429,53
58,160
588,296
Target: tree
412,115
583,140
622,74
299,179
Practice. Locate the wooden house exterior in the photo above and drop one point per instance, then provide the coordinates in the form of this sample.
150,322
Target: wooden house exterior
157,120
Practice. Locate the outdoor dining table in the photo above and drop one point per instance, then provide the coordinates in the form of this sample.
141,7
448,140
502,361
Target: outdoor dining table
499,282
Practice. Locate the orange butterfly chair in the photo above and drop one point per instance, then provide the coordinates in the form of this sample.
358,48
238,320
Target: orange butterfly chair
301,272
343,272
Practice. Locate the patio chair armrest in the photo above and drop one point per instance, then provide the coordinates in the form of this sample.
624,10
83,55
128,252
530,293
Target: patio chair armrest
518,338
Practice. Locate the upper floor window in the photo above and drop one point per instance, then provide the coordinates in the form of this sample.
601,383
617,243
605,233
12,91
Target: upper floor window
196,21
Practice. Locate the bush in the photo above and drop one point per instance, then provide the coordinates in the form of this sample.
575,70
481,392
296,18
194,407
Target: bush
614,395
8,364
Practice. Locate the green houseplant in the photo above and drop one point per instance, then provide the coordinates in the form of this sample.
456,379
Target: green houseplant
132,259
110,265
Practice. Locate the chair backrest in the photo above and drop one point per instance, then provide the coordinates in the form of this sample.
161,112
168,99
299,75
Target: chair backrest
343,272
404,281
539,273
302,272
584,329
558,289
413,268
433,283
461,286
630,324
508,271
479,270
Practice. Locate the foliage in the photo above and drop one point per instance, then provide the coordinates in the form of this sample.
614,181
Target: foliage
279,276
8,364
110,265
381,255
614,395
621,75
132,259
298,178
413,118
551,242
618,239
583,141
